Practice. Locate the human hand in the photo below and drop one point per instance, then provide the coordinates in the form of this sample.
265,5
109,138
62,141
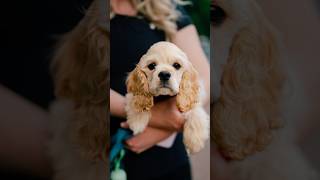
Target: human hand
147,139
165,115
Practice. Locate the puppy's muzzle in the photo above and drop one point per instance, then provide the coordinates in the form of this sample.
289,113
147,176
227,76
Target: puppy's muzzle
164,76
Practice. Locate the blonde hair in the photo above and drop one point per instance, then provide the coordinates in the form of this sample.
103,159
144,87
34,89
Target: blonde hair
162,13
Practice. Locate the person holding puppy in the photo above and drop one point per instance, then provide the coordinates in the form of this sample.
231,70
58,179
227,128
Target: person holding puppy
157,152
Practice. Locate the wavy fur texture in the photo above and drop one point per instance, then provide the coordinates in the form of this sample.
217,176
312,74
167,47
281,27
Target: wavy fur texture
80,69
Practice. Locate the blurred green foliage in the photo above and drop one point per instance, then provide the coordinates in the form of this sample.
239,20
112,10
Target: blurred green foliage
199,10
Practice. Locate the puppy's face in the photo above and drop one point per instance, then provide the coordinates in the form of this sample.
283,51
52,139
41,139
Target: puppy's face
164,65
163,70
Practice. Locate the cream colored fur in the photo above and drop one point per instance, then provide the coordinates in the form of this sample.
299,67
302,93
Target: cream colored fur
143,84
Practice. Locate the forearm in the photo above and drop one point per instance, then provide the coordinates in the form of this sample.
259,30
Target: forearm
117,104
24,135
157,122
147,139
166,115
188,40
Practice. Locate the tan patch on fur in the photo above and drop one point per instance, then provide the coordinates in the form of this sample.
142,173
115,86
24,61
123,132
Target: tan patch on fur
189,91
137,84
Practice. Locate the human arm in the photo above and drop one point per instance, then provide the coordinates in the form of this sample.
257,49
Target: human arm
147,139
162,109
24,129
158,132
117,104
187,39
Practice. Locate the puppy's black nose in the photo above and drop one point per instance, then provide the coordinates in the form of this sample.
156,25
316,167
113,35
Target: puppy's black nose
164,75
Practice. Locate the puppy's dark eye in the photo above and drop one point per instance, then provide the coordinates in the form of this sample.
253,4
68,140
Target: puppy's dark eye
152,66
177,66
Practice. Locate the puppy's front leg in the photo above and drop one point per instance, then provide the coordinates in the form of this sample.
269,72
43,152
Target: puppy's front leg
137,120
196,129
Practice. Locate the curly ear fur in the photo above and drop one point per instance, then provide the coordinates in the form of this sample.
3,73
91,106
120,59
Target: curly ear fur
81,75
251,86
137,84
189,88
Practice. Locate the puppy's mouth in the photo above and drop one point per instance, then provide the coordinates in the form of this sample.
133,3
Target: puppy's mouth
218,15
164,88
165,85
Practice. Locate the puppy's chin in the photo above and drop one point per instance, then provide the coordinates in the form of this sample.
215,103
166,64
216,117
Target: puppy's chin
164,91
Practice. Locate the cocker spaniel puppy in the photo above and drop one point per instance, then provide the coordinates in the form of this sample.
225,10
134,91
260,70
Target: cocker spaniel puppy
248,110
166,71
79,116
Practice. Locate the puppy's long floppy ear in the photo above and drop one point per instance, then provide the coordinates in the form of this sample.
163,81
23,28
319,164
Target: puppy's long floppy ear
137,84
189,89
80,69
248,110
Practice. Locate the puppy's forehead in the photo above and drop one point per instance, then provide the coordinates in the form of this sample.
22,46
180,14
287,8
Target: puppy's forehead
163,45
165,51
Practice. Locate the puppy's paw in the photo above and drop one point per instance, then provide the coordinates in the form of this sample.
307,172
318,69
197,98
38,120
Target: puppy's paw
192,145
138,122
136,126
196,130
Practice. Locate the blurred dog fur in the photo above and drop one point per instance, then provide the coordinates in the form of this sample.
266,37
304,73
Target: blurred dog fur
250,89
79,116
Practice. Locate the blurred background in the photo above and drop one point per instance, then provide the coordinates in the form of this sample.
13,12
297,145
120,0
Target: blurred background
29,31
199,10
299,25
